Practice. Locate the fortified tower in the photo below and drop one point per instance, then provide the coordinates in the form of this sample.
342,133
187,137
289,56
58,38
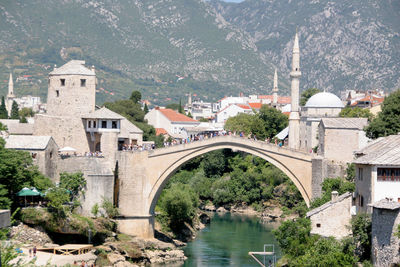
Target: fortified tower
72,90
71,96
275,89
294,118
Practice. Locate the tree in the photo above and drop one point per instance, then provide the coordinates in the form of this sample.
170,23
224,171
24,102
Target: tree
388,120
27,112
356,112
14,111
173,106
136,96
361,229
305,95
180,109
3,110
274,121
240,123
145,108
332,184
74,182
58,197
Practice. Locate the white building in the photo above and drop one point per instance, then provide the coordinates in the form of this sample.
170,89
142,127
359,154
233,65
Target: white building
171,121
378,172
231,111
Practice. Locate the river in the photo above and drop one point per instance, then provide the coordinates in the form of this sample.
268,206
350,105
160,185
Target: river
227,240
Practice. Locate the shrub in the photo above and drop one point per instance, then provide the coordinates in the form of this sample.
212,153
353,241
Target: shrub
95,210
109,208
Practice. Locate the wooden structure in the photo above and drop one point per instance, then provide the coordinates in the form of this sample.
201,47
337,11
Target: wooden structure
69,249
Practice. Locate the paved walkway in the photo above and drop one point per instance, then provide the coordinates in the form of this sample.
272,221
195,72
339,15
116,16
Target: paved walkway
43,258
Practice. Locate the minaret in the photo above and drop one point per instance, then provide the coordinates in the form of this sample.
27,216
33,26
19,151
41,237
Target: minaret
10,88
275,89
294,118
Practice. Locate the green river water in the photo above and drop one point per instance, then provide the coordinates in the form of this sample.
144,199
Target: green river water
227,240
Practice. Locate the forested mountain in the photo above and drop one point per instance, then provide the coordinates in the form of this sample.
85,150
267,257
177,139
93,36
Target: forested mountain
343,44
163,48
167,48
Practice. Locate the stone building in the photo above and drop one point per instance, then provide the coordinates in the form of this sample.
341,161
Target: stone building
377,172
338,138
43,150
385,243
333,218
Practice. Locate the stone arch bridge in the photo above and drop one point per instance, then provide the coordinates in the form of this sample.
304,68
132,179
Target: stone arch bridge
141,176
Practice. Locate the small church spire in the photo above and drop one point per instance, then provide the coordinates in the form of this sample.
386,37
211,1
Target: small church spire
10,87
275,89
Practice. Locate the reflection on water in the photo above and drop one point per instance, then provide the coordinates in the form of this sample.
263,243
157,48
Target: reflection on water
227,241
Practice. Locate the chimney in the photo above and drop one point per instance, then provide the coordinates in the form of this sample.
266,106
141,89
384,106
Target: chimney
334,196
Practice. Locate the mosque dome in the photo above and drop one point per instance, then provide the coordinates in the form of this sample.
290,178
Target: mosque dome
324,100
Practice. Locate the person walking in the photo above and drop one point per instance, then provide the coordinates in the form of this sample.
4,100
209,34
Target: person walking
34,251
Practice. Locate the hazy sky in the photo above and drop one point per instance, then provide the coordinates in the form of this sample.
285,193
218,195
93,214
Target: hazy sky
235,1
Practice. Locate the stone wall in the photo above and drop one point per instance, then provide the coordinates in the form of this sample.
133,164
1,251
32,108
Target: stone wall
385,245
5,220
364,187
340,144
99,176
66,131
322,169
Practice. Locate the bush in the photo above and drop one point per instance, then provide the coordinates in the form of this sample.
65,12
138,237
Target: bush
109,208
180,203
58,197
95,210
332,184
361,229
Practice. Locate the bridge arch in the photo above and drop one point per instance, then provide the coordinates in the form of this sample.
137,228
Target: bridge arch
244,145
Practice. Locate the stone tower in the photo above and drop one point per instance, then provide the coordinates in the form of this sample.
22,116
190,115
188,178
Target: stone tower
10,96
275,89
72,90
294,118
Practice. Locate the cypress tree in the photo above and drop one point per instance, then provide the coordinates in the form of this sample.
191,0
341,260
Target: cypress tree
14,111
146,108
180,109
3,110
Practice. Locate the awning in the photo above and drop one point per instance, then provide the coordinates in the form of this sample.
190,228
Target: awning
283,134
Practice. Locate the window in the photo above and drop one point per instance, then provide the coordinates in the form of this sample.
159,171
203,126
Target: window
389,174
94,124
62,82
90,124
318,225
360,174
114,124
103,124
360,200
57,93
83,82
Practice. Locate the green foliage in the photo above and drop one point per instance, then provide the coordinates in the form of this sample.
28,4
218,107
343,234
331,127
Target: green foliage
14,111
305,95
203,120
17,171
136,96
357,112
180,203
361,229
57,198
109,208
274,122
3,110
266,123
388,120
74,182
23,120
26,112
350,172
332,184
174,106
95,210
145,109
302,249
294,236
180,108
214,163
8,255
3,127
240,123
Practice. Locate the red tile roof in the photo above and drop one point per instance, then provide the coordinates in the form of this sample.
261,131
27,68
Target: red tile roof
172,115
255,105
243,106
281,99
160,131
